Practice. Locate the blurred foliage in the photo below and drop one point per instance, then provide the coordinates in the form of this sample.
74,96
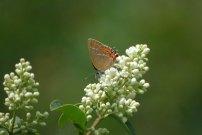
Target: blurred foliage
53,35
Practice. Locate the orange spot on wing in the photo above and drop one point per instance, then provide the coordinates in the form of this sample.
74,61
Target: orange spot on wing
108,52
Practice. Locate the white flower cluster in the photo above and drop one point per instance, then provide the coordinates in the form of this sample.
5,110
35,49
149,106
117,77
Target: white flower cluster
22,91
117,86
4,118
101,131
27,126
21,87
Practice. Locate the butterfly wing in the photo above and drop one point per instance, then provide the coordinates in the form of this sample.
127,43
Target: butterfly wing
99,54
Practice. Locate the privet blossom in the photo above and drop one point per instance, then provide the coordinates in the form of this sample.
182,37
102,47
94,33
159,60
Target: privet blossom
22,93
117,87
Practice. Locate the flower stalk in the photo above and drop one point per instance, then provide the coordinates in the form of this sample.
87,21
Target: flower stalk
13,122
95,123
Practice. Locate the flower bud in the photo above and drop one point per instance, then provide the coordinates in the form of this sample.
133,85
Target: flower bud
46,114
28,68
34,100
7,77
42,123
146,51
146,85
34,122
89,117
28,115
28,94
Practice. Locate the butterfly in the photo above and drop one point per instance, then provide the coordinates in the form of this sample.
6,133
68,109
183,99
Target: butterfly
101,55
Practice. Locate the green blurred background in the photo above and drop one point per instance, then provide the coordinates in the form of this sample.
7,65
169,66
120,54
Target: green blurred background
53,35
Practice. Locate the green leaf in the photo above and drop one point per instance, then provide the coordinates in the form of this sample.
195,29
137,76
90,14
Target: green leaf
69,113
17,120
55,104
62,120
128,125
74,114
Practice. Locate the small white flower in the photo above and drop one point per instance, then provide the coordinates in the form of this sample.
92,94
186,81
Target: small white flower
90,110
133,65
42,123
17,98
12,75
29,107
146,85
83,99
124,119
28,94
34,122
11,95
133,81
131,51
96,96
34,100
101,131
120,114
129,111
89,117
103,105
127,102
18,71
81,107
89,93
142,82
122,101
135,71
28,68
28,115
36,93
7,77
22,60
109,111
141,91
32,75
17,81
146,51
46,114
131,95
6,88
124,73
26,74
37,84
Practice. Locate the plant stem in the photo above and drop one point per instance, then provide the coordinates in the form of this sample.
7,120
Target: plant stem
95,123
13,122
